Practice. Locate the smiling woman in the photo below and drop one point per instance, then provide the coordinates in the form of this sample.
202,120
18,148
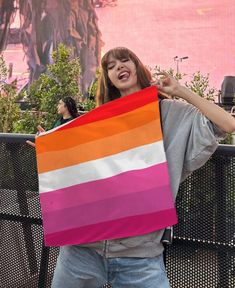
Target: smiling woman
191,133
122,74
114,64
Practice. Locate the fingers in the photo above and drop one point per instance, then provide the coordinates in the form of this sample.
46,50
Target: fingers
161,83
31,143
166,83
163,73
157,82
40,129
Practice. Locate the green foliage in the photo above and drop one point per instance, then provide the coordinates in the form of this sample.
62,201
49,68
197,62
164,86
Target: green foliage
3,71
61,80
94,85
9,110
200,85
28,122
87,105
228,139
157,69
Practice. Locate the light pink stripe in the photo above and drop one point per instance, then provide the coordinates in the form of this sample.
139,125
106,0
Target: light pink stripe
124,183
126,227
138,203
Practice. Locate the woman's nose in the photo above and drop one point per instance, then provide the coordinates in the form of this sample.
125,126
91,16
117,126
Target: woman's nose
120,65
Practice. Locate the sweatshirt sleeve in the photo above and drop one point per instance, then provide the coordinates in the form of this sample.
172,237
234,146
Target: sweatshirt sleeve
188,134
202,143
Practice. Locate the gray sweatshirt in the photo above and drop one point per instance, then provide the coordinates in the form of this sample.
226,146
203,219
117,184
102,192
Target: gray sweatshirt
189,140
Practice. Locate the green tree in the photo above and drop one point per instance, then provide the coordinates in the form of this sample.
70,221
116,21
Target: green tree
157,69
3,71
61,80
200,85
9,110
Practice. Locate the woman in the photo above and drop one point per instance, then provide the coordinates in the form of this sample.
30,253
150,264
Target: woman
191,131
67,109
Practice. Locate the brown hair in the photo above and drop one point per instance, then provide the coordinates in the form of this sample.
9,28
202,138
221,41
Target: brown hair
106,91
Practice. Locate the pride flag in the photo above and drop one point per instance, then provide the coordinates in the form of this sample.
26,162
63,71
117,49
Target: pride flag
104,175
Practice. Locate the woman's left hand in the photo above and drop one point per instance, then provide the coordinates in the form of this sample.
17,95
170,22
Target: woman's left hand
40,129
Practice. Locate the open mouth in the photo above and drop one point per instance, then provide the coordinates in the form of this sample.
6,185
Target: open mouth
124,75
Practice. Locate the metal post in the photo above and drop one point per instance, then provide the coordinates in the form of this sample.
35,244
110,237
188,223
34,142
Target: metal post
223,257
177,60
43,272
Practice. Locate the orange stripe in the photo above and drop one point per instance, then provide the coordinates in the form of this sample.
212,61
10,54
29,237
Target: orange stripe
61,140
103,147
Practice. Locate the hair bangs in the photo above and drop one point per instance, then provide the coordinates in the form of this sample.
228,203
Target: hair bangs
118,53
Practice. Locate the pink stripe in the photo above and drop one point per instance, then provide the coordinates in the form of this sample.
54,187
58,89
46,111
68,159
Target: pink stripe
126,227
147,201
124,183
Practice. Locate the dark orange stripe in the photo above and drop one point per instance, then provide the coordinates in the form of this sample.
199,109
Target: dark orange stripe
67,139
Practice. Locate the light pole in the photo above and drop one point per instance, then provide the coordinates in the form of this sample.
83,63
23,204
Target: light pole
177,60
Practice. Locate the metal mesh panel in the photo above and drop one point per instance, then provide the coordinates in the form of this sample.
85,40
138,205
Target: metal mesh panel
20,256
24,261
203,251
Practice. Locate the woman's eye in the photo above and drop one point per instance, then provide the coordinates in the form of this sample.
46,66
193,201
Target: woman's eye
125,60
110,67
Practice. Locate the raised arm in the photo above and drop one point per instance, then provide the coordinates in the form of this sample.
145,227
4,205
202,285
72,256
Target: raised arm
217,115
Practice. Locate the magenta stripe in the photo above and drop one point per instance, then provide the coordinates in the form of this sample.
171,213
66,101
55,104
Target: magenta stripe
126,227
124,183
138,203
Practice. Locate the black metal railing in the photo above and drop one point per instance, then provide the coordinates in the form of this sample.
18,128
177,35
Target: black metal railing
203,254
203,251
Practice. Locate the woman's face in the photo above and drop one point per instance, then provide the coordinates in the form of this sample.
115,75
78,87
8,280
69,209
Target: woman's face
62,108
122,74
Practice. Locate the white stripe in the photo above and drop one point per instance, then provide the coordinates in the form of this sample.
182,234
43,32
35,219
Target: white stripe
133,159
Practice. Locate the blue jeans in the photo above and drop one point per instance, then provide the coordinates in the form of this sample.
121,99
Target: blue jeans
79,267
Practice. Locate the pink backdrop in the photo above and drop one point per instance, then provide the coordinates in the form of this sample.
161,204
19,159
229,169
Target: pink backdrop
159,30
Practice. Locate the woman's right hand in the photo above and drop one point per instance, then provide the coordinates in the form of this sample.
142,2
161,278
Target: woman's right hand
40,129
167,84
